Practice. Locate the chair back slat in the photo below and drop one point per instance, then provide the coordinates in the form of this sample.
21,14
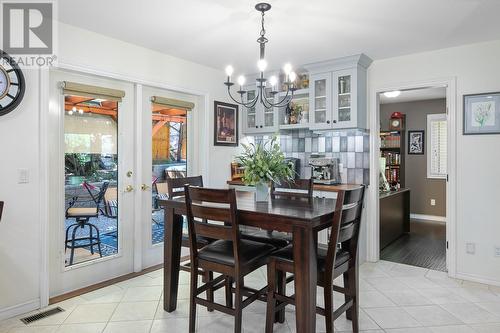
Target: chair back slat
345,226
298,188
175,186
217,208
209,230
214,213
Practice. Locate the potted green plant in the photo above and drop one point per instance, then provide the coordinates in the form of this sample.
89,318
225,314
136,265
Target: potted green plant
264,163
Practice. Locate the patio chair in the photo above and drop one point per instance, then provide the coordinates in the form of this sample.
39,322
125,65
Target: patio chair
82,215
111,202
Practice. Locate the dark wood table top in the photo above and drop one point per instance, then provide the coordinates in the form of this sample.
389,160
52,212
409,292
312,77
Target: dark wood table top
282,213
316,187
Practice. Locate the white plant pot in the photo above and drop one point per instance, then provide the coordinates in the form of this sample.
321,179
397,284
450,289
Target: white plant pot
261,192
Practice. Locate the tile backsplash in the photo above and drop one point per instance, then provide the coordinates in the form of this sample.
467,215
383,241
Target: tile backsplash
352,147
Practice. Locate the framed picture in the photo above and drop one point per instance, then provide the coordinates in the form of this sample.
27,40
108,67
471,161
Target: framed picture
482,113
225,124
416,142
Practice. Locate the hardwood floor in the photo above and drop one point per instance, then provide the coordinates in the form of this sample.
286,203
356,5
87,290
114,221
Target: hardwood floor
424,246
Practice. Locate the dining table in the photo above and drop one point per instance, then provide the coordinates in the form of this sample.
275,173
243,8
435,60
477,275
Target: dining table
303,218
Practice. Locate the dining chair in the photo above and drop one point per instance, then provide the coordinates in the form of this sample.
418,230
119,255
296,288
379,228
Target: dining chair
229,255
296,189
338,258
174,188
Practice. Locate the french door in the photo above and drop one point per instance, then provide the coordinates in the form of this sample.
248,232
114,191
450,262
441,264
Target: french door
92,180
166,128
111,146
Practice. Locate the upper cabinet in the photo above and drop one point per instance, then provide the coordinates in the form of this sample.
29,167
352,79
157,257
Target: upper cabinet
338,93
334,99
259,119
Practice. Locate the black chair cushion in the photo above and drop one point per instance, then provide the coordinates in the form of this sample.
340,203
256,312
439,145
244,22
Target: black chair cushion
202,241
221,252
341,258
278,240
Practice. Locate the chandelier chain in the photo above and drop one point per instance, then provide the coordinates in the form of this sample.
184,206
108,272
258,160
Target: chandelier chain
263,30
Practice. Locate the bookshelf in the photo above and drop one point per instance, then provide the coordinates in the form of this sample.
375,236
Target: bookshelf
392,147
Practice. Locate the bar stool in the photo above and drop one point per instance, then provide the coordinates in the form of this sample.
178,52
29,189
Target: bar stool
82,216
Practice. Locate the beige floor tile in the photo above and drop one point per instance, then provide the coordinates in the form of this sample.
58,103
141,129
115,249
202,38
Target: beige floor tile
470,313
34,329
143,326
418,282
486,328
476,295
442,296
491,307
127,311
91,313
182,310
374,299
432,315
342,324
137,294
170,325
387,284
409,330
451,329
406,271
392,318
82,328
110,294
407,297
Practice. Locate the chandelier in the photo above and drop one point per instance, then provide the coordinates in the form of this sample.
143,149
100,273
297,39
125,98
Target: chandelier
261,81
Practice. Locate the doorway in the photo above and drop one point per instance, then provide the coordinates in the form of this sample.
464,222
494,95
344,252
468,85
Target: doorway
413,175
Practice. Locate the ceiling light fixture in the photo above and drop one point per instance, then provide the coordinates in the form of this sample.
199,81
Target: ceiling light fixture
261,81
392,94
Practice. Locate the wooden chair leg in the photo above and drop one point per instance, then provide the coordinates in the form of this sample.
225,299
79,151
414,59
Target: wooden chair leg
209,276
271,302
280,316
328,291
354,292
229,292
238,314
192,303
347,296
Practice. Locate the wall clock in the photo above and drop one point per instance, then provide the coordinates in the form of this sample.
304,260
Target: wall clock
12,85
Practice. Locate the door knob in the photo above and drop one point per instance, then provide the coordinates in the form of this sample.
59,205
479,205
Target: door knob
145,187
129,188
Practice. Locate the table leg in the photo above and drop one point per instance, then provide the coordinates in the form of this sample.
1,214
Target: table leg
171,259
305,266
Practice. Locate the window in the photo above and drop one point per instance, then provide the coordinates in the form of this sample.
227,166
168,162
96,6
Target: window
437,146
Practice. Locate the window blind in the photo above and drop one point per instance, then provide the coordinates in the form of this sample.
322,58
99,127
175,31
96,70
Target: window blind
78,89
437,156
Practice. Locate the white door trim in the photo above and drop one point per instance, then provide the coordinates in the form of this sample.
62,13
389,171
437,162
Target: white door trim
44,160
373,230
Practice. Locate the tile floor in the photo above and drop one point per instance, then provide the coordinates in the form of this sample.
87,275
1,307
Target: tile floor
393,298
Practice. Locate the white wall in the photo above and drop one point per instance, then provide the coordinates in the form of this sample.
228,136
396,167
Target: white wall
20,235
477,69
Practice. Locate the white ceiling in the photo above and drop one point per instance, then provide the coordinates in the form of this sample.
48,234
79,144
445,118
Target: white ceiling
221,32
415,95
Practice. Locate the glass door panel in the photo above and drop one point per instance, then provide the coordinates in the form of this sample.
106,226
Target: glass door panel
169,159
269,112
251,112
90,178
344,98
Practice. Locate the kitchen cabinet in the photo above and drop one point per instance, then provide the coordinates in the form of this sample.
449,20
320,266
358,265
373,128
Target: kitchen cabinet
338,93
259,119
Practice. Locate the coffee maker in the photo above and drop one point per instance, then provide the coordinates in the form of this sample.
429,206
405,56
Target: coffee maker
325,170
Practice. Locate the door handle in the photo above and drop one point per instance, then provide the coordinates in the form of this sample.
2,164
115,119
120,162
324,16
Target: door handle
145,187
129,188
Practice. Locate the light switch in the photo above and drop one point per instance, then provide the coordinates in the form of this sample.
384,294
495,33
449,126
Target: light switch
470,248
433,202
23,176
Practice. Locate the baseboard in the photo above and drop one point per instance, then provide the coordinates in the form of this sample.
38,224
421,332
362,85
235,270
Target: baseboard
428,217
19,309
477,278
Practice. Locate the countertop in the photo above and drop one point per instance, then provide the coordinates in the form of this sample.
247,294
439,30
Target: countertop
383,195
316,187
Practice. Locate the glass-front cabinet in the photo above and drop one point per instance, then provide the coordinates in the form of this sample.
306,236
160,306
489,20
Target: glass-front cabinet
259,119
345,99
320,102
